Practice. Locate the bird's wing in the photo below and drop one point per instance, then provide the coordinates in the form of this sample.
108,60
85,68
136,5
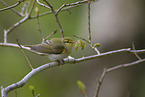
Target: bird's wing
53,48
49,47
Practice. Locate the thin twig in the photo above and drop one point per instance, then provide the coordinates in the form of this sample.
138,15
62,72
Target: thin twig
56,17
17,24
37,13
31,9
15,93
24,54
12,6
5,36
124,65
6,32
67,6
89,19
63,8
100,83
15,11
24,47
42,14
23,8
43,4
112,69
91,45
27,7
133,47
50,34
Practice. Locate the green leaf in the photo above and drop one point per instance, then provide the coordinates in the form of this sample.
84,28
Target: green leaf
81,44
81,86
97,44
31,89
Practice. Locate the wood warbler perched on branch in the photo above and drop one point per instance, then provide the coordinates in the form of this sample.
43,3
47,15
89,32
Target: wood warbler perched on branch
56,48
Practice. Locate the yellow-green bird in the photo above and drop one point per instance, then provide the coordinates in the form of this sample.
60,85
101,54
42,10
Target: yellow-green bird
56,48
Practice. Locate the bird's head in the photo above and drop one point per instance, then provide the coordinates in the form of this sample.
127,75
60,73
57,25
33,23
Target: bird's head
68,42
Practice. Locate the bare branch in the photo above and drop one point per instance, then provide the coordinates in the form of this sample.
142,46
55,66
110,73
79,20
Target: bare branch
133,47
86,58
28,76
64,7
15,93
6,32
100,83
23,8
43,4
3,93
138,51
12,6
42,14
37,13
24,47
112,69
50,34
31,9
24,54
125,65
68,6
56,17
89,23
5,36
17,24
53,64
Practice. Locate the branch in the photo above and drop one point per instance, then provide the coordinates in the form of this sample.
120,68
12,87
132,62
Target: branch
26,48
12,6
55,12
100,81
64,7
89,19
42,4
29,17
68,6
22,82
128,50
38,27
133,47
68,60
18,23
56,17
112,69
24,54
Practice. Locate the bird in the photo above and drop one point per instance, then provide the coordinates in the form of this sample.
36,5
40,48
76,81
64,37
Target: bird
56,48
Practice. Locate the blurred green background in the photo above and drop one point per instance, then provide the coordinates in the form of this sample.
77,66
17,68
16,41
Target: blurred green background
115,24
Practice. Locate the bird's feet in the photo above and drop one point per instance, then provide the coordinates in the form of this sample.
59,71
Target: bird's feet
60,62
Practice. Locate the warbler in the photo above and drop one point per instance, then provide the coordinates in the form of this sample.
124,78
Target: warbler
56,48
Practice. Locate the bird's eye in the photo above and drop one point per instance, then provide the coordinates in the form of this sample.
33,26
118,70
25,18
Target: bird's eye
66,41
